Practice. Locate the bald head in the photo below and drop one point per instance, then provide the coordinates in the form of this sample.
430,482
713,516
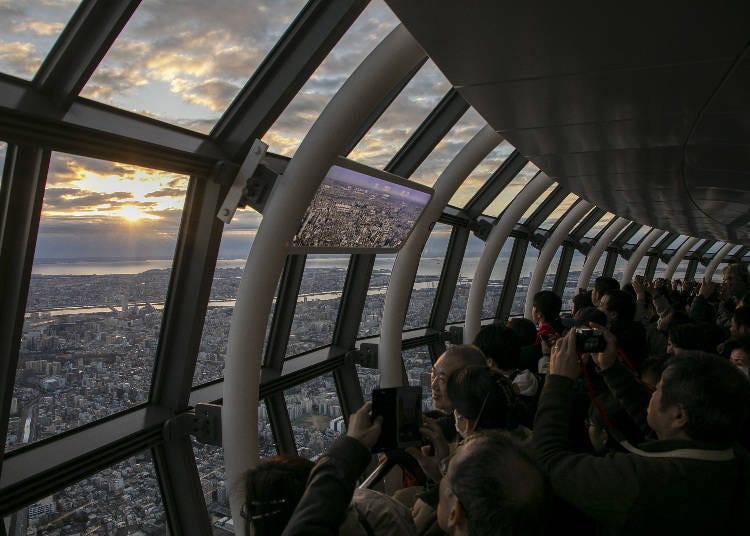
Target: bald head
454,358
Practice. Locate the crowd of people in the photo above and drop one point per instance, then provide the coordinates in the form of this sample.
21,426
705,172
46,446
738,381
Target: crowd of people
629,415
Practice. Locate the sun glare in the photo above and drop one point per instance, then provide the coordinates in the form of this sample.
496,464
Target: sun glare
133,214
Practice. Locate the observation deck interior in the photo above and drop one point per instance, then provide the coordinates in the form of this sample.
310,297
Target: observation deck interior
124,123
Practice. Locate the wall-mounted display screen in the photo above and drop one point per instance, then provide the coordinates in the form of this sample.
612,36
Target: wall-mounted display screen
359,209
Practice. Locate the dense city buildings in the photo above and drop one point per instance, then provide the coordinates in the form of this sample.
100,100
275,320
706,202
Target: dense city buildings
87,352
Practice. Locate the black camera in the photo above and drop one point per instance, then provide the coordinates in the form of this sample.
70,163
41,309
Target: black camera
590,341
401,409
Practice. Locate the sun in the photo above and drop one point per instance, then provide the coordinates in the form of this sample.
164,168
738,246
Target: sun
133,214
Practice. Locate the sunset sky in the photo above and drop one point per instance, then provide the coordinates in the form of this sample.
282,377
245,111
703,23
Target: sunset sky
183,61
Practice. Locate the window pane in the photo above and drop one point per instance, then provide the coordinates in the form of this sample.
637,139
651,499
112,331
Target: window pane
641,268
418,365
599,268
124,499
184,61
28,30
98,285
535,205
698,244
428,277
318,303
473,251
638,236
375,22
372,313
700,271
571,285
403,116
559,212
481,173
677,242
315,413
465,128
497,280
3,150
716,247
519,299
233,251
620,266
599,226
679,273
210,462
510,192
734,250
549,277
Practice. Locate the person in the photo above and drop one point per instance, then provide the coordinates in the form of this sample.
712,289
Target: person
602,284
690,480
483,398
545,312
738,350
451,360
502,348
619,306
323,508
490,487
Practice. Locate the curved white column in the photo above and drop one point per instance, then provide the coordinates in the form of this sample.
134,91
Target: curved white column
674,262
592,259
396,55
548,251
716,261
407,260
495,241
648,241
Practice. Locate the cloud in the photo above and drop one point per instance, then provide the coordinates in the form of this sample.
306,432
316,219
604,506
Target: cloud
40,28
19,58
214,94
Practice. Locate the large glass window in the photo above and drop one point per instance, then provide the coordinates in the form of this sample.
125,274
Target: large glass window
211,470
571,285
510,192
519,298
465,128
315,413
549,277
372,313
403,116
124,499
375,22
559,211
28,30
599,226
184,62
599,268
418,365
428,277
639,234
233,251
715,247
98,285
318,303
537,202
478,177
679,273
473,251
620,266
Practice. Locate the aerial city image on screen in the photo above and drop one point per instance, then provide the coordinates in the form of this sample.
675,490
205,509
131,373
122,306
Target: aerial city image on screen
355,210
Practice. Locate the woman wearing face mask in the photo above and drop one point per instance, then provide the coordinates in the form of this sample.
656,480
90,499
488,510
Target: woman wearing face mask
483,398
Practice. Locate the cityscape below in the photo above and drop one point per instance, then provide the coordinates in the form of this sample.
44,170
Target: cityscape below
87,352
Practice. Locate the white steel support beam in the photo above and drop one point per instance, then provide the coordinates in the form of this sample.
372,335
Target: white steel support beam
385,67
647,241
495,241
407,260
596,252
676,259
550,247
716,261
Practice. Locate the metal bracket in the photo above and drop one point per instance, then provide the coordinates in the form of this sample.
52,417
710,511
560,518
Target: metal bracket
454,335
481,229
203,422
365,356
244,175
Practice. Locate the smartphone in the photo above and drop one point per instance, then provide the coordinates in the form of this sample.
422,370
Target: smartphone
401,409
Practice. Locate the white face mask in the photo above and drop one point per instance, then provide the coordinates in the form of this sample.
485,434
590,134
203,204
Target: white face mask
456,419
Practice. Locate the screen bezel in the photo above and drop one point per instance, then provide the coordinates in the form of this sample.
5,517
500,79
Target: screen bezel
375,173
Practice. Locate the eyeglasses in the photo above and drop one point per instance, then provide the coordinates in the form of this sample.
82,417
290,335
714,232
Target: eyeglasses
443,466
262,509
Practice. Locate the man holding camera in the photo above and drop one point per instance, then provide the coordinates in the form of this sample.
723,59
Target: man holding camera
692,480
